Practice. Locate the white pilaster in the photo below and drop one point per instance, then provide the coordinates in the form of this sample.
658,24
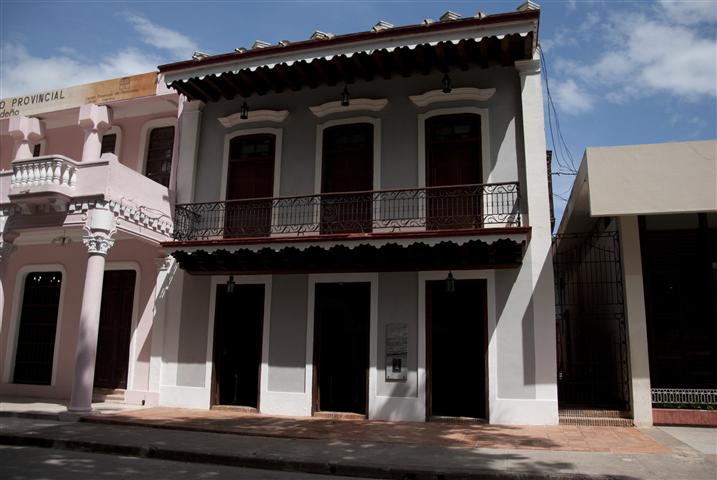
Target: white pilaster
636,322
538,257
26,131
184,168
94,120
165,269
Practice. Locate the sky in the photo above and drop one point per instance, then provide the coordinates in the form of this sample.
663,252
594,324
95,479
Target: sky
618,72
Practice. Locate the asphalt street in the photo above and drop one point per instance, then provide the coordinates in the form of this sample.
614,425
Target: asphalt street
32,463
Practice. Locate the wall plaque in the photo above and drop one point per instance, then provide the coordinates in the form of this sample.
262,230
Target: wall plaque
396,352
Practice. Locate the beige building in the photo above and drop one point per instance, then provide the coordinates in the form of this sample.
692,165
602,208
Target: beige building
636,283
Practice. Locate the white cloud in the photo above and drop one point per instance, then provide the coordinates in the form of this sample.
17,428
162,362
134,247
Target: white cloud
690,12
570,97
162,38
656,57
644,54
22,71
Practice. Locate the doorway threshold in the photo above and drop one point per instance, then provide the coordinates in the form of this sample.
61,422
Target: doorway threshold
235,408
458,420
340,415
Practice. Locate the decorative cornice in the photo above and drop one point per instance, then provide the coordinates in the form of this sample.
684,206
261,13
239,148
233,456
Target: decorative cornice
457,94
161,224
98,243
355,105
528,67
255,116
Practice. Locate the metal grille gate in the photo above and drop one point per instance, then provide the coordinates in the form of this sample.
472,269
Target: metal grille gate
590,322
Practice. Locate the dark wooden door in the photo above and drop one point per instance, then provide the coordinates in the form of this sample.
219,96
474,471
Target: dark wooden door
347,166
35,350
238,331
457,349
250,176
115,330
453,157
341,347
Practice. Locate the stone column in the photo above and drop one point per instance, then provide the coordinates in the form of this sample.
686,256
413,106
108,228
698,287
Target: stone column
6,247
640,392
94,120
186,147
100,227
535,200
26,131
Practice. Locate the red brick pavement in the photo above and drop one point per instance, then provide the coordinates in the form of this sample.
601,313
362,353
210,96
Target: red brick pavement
553,437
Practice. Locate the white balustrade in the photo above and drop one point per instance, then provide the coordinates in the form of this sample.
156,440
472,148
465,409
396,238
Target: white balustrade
43,171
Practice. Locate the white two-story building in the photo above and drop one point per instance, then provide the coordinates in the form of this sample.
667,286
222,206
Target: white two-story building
363,228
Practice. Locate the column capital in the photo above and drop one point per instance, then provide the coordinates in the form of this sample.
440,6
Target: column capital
7,236
95,117
98,243
25,131
100,225
6,249
528,67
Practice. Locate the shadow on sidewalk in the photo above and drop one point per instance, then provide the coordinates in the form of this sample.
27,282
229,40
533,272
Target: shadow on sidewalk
345,456
364,431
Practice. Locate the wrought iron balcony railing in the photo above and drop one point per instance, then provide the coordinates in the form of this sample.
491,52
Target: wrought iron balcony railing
386,211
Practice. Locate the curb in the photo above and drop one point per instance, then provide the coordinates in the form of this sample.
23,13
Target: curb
283,464
31,415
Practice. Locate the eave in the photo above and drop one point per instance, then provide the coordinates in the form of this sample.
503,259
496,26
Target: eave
496,39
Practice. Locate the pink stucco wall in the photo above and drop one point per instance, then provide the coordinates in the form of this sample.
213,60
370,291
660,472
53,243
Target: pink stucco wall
65,141
73,258
68,140
132,137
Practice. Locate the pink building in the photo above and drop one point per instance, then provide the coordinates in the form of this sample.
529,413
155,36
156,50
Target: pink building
85,194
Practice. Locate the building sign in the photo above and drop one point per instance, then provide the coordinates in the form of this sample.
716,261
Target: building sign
396,352
99,92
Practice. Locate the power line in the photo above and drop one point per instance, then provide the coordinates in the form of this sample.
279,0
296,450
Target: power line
562,154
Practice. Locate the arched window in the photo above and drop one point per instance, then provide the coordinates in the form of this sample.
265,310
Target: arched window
453,158
347,166
250,176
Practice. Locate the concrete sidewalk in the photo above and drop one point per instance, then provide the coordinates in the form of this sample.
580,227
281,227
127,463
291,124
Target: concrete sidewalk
374,460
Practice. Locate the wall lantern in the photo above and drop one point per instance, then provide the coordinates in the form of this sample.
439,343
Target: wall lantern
450,283
230,284
345,97
446,83
244,111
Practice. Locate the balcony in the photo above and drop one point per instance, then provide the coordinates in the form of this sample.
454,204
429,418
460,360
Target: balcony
54,183
458,209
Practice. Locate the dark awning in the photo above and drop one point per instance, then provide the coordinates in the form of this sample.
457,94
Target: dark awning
446,255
